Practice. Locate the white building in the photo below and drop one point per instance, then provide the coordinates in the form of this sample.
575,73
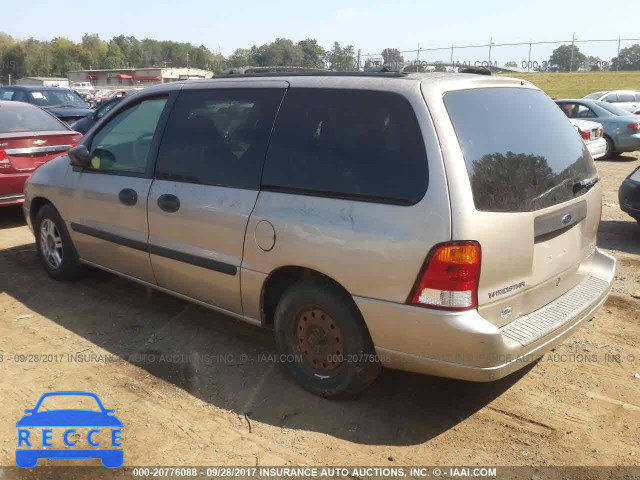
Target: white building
44,81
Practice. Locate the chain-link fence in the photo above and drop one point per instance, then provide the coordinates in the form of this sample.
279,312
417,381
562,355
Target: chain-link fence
539,56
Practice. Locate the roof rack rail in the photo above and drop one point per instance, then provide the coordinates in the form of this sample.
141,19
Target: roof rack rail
277,71
273,69
461,68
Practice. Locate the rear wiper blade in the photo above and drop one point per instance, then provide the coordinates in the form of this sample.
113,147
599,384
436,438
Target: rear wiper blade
585,184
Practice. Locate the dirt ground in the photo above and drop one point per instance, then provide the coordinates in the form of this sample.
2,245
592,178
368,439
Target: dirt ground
195,388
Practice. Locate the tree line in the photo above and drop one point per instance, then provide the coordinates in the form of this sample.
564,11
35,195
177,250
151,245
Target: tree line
37,58
54,58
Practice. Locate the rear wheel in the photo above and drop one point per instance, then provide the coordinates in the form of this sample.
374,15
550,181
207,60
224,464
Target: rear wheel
55,248
610,151
325,342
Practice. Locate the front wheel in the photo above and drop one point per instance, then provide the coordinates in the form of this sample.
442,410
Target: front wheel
55,248
321,333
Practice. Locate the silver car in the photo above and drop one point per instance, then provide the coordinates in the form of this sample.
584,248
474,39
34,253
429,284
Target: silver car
418,222
628,100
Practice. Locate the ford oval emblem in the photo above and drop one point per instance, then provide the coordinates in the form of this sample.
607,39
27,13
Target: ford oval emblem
567,219
506,313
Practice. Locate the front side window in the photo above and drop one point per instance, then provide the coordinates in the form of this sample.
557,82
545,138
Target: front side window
123,144
218,137
611,98
358,144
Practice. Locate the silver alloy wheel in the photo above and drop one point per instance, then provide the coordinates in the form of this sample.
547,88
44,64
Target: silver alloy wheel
51,243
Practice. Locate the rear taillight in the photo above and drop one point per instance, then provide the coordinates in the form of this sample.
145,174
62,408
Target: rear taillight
4,160
634,126
586,134
449,278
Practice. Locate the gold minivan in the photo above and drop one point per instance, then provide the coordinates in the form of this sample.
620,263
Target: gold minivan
437,223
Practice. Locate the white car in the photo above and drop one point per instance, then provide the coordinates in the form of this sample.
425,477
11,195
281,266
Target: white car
628,100
593,135
83,87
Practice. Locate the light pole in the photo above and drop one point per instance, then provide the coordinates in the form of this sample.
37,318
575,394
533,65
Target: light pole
491,43
573,39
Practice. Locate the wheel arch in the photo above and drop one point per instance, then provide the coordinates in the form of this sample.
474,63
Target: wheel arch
34,207
280,279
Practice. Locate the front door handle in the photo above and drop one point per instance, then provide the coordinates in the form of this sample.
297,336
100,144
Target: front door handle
169,203
128,197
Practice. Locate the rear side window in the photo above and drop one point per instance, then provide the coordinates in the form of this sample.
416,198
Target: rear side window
356,144
521,152
28,120
218,137
626,97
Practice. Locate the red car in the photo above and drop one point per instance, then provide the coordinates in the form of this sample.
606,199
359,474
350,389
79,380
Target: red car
29,137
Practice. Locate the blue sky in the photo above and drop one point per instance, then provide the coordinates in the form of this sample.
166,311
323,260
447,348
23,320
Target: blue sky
369,25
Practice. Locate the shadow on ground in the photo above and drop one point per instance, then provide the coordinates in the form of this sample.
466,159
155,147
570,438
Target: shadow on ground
620,158
621,235
11,217
231,364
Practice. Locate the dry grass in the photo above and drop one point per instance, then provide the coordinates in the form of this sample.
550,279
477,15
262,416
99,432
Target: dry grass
577,85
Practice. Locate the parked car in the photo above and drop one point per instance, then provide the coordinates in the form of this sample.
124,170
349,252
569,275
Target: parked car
83,87
629,195
64,103
368,219
621,129
592,134
628,100
29,137
84,124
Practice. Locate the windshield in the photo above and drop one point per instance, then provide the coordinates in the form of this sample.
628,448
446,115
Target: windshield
595,96
28,119
613,109
520,151
69,402
56,98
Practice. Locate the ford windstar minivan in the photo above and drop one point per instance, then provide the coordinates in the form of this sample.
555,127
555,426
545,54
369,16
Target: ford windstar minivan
436,223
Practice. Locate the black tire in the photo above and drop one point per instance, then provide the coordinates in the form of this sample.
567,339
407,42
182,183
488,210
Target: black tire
70,267
347,363
610,152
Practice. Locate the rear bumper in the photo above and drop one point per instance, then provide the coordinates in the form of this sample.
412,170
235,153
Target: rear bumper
12,188
464,345
597,148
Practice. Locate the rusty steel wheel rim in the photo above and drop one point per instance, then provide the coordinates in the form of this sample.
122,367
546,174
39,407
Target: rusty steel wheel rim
319,339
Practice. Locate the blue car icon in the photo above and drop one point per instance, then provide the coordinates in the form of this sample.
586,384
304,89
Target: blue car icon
69,418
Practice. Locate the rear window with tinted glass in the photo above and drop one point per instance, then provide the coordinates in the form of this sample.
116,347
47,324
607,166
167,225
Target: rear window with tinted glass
521,152
25,119
358,144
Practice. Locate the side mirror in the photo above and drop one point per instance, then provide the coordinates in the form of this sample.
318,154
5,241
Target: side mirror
80,156
28,410
92,115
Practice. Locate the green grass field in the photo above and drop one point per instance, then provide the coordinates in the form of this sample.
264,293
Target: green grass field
577,85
